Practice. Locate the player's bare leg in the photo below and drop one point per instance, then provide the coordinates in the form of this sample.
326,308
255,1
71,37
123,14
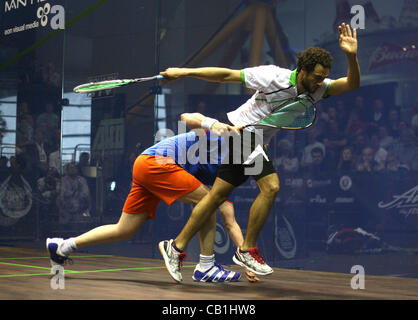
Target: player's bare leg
203,210
127,226
260,209
248,255
207,270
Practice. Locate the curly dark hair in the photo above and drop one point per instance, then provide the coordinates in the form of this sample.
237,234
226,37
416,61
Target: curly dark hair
312,56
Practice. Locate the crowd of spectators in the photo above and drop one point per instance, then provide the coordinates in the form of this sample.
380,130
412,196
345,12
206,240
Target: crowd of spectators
61,192
352,138
344,139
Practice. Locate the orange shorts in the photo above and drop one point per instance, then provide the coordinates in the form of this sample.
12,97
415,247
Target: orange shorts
154,179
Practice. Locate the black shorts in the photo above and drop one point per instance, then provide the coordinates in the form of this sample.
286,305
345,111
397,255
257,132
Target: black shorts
247,156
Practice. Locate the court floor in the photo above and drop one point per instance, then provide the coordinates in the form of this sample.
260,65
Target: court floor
25,274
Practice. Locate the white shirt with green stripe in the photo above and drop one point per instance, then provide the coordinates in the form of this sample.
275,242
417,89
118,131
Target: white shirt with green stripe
274,85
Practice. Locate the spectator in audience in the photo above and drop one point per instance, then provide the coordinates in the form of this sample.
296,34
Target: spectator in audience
286,161
35,158
394,165
54,160
406,147
49,117
332,113
50,75
380,153
42,155
355,125
386,141
358,143
319,167
24,125
74,196
334,140
48,186
367,163
313,142
346,163
378,116
84,161
48,141
393,123
361,109
23,113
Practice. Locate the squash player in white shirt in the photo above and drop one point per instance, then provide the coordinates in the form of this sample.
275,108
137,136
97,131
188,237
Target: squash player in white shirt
273,84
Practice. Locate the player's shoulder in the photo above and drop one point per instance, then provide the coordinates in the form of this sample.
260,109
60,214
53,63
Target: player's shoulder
269,68
268,75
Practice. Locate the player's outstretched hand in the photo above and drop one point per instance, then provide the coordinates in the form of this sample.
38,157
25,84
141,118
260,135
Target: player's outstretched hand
348,39
223,129
172,74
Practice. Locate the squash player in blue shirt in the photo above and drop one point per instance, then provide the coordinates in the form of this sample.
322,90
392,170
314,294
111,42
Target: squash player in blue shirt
170,170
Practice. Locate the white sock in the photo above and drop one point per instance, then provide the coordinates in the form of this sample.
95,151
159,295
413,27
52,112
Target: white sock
206,262
68,246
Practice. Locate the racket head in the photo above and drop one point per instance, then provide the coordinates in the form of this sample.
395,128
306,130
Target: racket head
111,84
101,85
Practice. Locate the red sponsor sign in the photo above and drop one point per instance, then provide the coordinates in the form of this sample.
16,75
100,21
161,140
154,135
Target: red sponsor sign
388,53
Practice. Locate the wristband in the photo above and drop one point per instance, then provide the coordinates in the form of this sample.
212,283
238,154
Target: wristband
207,123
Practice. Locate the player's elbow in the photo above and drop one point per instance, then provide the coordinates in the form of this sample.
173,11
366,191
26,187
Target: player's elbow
184,117
231,75
356,84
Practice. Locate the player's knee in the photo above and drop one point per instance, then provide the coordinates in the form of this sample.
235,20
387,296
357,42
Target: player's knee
124,234
218,198
271,189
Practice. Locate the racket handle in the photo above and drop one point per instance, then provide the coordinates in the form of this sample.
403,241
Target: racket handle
160,77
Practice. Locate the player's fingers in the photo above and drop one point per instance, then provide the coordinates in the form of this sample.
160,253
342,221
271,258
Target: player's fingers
217,132
233,130
348,30
166,76
222,130
355,33
343,29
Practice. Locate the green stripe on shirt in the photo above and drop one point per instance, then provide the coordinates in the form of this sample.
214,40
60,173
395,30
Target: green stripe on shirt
325,95
243,78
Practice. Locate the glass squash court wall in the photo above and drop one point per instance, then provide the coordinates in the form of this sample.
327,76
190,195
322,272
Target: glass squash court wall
327,216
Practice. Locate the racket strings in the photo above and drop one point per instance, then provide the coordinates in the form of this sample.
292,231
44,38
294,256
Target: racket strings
296,113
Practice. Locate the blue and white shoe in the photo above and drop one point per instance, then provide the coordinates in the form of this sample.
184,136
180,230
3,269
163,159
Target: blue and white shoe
53,246
216,273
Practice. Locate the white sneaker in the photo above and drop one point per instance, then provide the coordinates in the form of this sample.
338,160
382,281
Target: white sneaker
253,261
53,245
173,261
